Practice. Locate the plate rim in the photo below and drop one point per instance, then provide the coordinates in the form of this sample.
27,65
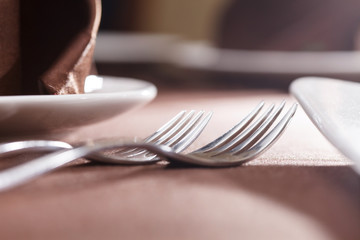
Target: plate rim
147,87
33,115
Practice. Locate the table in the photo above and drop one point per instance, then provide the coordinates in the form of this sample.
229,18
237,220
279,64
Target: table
302,188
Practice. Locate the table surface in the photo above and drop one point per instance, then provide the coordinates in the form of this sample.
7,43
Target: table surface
301,188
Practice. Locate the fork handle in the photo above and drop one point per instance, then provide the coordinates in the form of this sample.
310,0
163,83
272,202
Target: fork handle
25,172
22,173
31,145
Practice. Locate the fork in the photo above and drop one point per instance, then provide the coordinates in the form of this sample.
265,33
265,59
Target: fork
178,133
232,149
186,126
245,141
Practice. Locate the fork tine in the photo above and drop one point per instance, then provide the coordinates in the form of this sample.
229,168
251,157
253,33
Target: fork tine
188,134
184,129
166,136
156,135
259,132
173,134
165,128
193,134
271,137
232,132
180,129
243,135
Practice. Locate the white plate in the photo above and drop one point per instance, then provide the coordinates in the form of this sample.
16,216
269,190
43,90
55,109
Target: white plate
104,97
334,107
203,56
282,66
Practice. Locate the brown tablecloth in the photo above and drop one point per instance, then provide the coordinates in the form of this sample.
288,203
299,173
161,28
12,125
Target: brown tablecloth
302,188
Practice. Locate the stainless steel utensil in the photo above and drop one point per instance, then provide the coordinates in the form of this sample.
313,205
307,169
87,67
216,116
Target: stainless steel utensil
177,134
245,141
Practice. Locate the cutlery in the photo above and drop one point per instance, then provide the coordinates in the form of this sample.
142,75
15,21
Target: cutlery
245,141
237,146
178,133
182,127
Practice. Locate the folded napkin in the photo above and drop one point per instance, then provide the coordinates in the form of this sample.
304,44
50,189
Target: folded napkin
46,47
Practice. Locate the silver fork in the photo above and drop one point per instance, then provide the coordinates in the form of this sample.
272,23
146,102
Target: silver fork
233,149
245,141
178,134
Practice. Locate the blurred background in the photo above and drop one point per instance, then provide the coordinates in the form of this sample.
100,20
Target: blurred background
229,43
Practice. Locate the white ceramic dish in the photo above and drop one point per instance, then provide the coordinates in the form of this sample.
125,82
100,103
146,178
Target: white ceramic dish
200,56
104,97
334,107
203,56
